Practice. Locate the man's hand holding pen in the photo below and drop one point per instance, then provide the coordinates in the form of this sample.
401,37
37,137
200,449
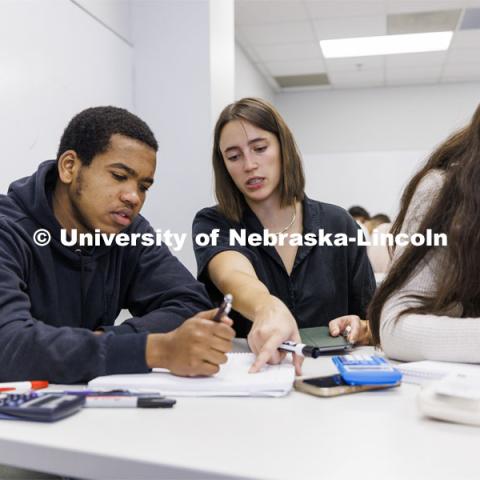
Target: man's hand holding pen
197,347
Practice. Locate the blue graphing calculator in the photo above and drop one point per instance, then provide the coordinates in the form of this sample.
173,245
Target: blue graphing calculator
366,370
40,408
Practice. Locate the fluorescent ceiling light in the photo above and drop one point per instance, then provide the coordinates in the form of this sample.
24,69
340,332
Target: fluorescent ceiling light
386,44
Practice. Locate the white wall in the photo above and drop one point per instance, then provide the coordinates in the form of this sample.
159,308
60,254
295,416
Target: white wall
361,146
55,60
175,76
248,80
113,14
222,55
373,179
60,56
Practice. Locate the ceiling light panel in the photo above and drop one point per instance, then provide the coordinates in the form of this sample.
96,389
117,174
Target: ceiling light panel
386,45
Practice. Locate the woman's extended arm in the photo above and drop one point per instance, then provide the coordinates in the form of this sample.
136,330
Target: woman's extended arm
273,323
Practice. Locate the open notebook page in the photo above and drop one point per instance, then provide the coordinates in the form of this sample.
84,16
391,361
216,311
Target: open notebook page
233,379
427,370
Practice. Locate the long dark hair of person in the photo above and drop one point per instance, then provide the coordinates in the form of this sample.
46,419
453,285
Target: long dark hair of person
455,210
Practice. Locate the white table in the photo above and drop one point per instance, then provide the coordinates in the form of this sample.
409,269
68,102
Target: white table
370,435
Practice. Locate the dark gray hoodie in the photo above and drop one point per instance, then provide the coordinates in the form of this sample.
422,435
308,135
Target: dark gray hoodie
53,297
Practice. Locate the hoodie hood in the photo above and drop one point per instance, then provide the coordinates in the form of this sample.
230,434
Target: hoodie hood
32,195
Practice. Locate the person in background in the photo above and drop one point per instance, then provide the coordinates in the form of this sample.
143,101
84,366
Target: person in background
428,306
259,184
378,253
361,216
374,222
58,303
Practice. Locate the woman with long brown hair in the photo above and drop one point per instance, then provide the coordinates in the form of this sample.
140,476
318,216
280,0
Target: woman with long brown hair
259,185
428,306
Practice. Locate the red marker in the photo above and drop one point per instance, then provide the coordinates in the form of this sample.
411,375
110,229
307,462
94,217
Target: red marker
23,386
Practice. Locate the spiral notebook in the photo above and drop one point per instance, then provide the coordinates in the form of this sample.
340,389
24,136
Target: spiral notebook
233,380
426,370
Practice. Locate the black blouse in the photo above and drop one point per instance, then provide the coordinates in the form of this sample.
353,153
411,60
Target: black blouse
326,281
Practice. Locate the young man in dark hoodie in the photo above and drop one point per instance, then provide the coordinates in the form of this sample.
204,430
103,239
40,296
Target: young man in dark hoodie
58,303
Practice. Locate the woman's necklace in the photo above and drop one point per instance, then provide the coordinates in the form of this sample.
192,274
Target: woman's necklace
292,221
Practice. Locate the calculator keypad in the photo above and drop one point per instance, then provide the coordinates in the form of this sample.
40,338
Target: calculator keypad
366,370
41,407
364,362
16,399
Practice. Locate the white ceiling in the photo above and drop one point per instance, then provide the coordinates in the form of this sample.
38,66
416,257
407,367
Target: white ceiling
281,37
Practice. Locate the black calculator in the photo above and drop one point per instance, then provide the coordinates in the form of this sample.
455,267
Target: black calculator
39,407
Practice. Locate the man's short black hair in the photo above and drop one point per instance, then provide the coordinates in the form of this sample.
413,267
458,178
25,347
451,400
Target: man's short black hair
381,218
358,212
89,132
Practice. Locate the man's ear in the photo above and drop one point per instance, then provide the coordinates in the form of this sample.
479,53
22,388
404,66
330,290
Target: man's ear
68,166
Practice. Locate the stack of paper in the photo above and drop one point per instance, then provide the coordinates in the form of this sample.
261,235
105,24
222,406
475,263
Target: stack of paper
426,370
459,386
232,380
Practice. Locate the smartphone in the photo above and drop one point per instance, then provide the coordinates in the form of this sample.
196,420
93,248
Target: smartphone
320,337
333,386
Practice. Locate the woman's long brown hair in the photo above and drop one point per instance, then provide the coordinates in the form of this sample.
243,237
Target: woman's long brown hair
454,211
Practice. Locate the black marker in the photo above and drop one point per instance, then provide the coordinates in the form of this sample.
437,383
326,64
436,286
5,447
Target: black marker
310,351
128,402
224,308
301,349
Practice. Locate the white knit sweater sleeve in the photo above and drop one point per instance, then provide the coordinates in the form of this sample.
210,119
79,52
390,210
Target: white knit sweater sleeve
412,337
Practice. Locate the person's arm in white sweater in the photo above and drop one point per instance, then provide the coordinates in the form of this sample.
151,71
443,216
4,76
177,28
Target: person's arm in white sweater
412,337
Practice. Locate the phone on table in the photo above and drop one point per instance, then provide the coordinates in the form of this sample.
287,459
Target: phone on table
333,385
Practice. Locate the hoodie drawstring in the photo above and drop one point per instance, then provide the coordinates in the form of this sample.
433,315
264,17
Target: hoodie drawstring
82,287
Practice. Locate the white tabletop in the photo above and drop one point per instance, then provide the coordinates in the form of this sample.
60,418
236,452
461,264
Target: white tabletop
366,435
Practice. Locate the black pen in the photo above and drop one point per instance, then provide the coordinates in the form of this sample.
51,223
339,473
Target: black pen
224,308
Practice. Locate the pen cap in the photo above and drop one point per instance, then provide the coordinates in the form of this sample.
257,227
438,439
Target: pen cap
155,402
38,384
